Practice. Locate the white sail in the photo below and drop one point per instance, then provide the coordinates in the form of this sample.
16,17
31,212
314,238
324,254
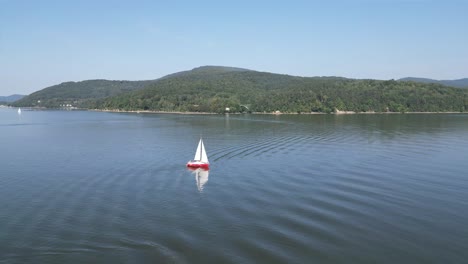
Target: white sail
19,111
197,153
204,157
200,154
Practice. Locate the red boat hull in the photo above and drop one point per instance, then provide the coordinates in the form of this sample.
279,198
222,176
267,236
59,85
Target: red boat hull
204,166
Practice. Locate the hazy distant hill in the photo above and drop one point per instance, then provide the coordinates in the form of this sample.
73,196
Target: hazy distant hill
79,93
212,89
460,83
11,98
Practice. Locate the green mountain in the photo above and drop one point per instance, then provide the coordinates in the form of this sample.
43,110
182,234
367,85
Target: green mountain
213,89
79,94
206,70
460,83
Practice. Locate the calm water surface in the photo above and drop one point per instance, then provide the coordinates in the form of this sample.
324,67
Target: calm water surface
90,187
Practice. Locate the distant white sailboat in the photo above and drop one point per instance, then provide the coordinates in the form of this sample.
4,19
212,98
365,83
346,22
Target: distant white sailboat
201,159
19,111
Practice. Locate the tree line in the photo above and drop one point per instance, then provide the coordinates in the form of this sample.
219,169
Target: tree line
266,92
213,89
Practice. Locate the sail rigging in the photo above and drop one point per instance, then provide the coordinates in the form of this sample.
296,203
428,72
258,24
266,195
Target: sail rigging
200,154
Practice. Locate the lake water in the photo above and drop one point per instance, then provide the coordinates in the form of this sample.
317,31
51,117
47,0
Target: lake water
93,187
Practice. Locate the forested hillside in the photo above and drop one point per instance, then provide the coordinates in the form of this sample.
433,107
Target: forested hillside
460,83
212,89
79,94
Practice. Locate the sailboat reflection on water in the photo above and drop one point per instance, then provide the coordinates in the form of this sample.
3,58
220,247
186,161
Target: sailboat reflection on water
201,177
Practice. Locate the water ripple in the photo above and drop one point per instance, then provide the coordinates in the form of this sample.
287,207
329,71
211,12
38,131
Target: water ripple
281,190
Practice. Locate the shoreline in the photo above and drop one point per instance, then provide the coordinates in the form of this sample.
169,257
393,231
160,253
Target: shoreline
265,113
150,112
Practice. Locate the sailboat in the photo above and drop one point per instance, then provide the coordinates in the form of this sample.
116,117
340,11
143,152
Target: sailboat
201,159
19,111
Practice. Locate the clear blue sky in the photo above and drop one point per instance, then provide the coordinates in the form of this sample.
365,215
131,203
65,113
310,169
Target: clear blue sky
43,43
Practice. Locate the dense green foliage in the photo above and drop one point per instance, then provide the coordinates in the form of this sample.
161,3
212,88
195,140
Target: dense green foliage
460,83
212,89
79,94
